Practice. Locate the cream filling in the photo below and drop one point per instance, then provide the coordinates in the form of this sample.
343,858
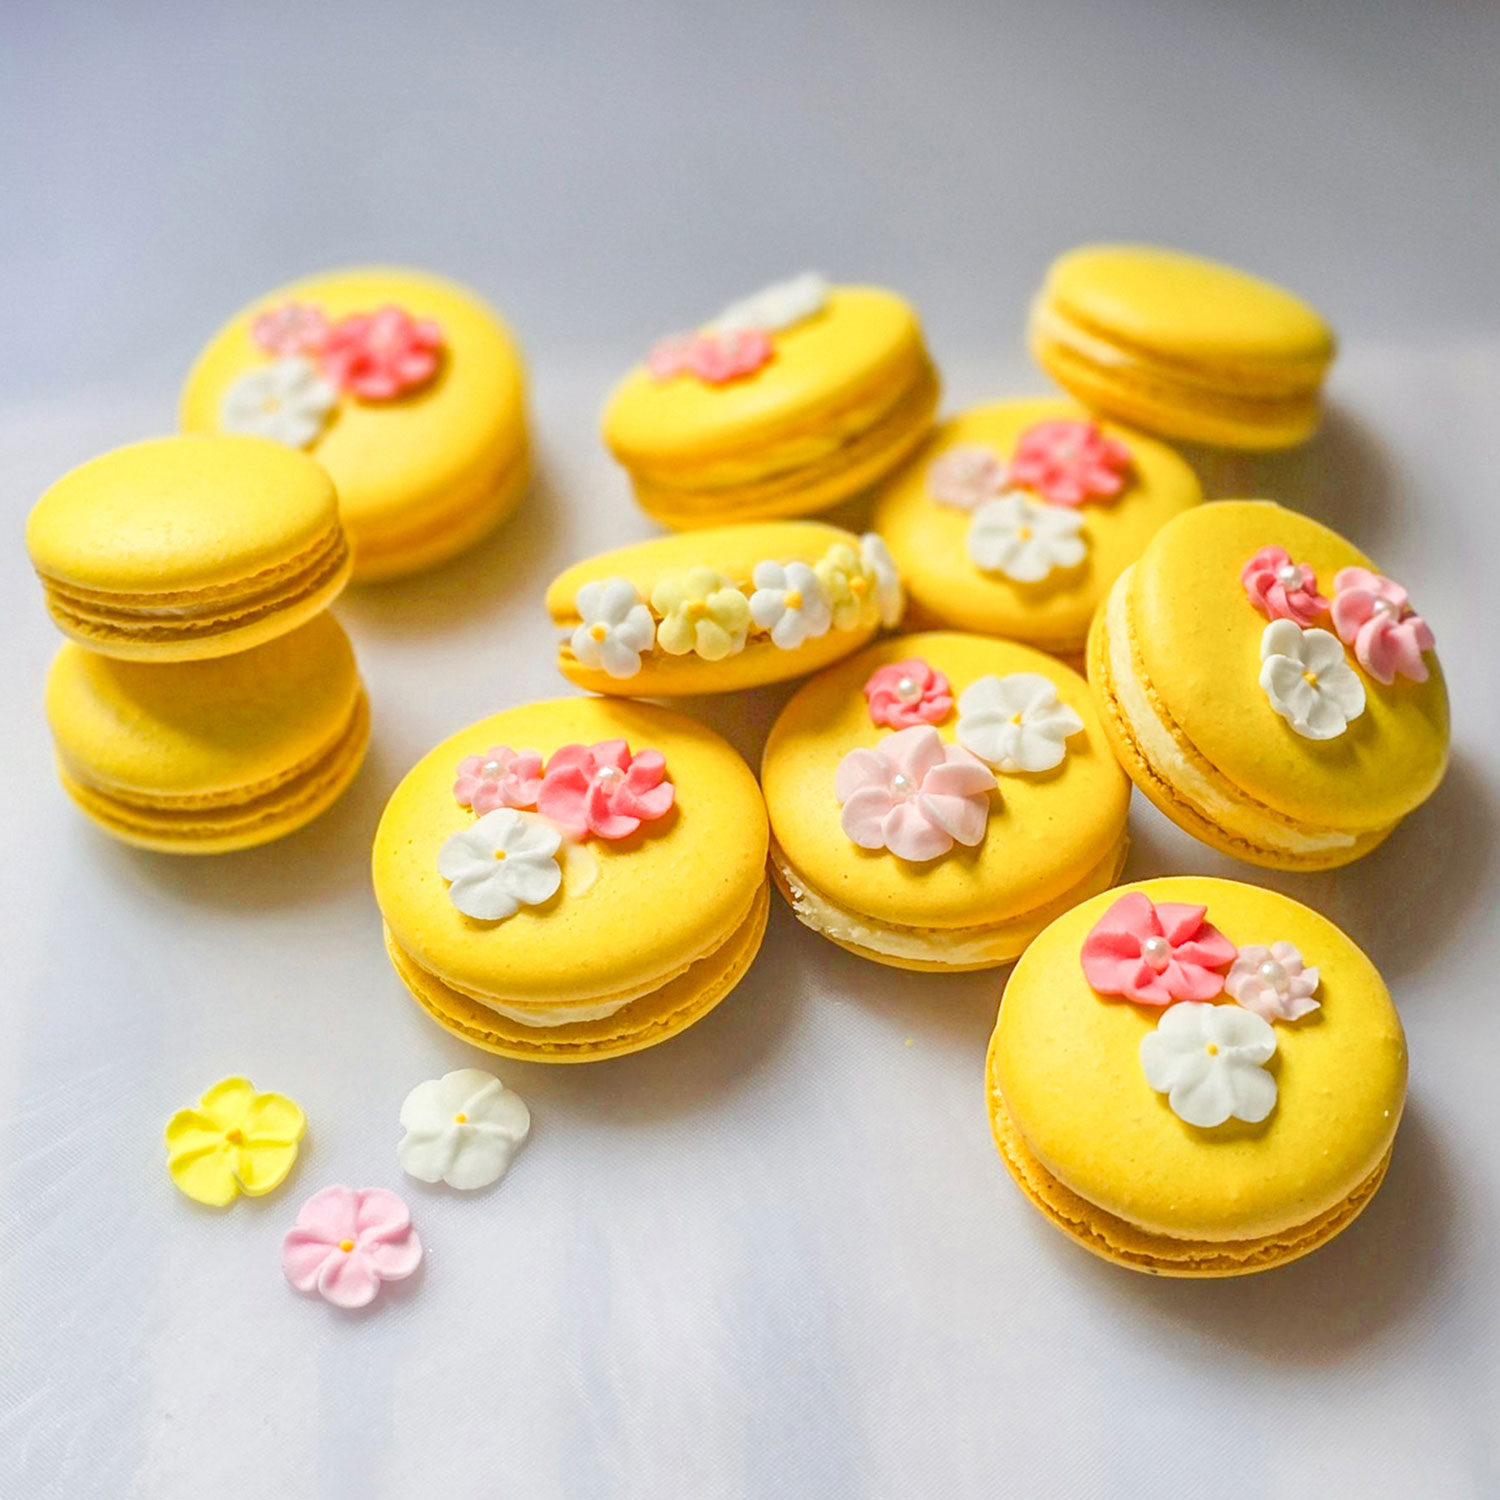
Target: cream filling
1160,750
557,1015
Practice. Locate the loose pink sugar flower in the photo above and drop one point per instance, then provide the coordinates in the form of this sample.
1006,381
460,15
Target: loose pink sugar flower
1156,954
346,1241
501,777
1272,981
966,476
908,692
381,355
1069,462
1373,615
715,358
1282,589
605,790
292,328
914,795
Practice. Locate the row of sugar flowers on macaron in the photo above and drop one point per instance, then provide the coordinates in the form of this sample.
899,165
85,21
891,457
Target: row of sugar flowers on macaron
916,795
702,613
1025,522
1303,667
375,356
509,857
1208,1057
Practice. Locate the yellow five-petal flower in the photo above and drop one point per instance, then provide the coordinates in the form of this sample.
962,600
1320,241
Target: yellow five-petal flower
701,612
235,1141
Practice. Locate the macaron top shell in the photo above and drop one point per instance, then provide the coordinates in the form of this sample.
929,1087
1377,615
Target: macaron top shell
180,513
1067,1061
1045,831
1198,641
631,912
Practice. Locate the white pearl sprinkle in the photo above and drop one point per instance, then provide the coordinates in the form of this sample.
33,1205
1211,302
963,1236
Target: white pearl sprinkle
908,690
610,777
901,784
1387,607
1156,951
1275,974
1289,575
492,768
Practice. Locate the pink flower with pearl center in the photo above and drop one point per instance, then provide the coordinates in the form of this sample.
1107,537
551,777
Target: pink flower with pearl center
1156,954
347,1241
381,355
715,358
605,790
1282,589
1374,615
291,328
501,777
1067,462
904,693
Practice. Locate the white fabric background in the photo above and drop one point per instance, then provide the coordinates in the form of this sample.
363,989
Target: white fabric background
777,1256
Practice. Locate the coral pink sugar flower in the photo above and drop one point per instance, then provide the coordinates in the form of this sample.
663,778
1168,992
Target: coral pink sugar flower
1282,589
347,1241
905,693
1373,615
715,358
914,795
501,777
605,790
1156,954
381,355
291,328
1069,462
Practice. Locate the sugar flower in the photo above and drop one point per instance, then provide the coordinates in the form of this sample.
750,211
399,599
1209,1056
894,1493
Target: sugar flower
506,860
381,355
1156,953
1308,681
614,628
291,328
501,777
286,400
1068,462
1374,615
702,612
1017,722
880,567
1282,589
605,790
1209,1060
714,358
234,1140
966,476
904,693
1025,540
1273,982
789,602
851,585
777,306
462,1129
347,1241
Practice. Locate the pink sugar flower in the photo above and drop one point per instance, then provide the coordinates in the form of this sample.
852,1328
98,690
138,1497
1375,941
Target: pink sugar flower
1273,982
291,328
1069,462
1374,615
914,795
381,355
1282,589
1156,954
966,476
347,1241
605,790
715,358
501,777
905,693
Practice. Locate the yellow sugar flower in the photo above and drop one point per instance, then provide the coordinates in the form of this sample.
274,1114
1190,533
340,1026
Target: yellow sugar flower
235,1141
701,612
850,583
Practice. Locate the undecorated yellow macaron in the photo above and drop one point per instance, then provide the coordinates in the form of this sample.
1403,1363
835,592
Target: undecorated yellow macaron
713,611
1268,689
188,547
786,403
936,800
1196,1077
1015,518
208,756
574,879
405,387
1183,346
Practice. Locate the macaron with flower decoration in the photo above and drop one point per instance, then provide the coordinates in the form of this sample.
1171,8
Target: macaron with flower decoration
1196,1077
784,404
1015,518
718,610
406,388
1269,688
574,879
938,799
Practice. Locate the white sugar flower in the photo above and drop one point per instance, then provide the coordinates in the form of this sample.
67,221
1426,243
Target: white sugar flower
286,400
462,1129
1025,539
1308,680
890,597
1273,982
1016,723
777,306
616,627
790,603
1209,1060
500,863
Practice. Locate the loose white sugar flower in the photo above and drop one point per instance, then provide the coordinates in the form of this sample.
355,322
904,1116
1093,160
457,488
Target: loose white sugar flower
462,1129
1025,539
890,597
1016,723
286,400
1273,982
1209,1060
500,863
790,603
777,306
616,627
1308,680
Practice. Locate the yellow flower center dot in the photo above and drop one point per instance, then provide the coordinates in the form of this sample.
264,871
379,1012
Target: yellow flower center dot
696,609
793,599
1212,1049
1024,532
346,1246
1310,678
598,632
1015,718
499,853
858,586
235,1137
460,1118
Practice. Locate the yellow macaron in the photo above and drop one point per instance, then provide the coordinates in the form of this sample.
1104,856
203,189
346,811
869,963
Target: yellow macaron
188,547
785,404
713,611
1267,689
1196,1077
574,879
1015,518
1182,346
406,388
936,800
208,756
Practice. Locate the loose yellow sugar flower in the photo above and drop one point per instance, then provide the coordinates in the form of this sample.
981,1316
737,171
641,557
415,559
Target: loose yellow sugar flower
235,1141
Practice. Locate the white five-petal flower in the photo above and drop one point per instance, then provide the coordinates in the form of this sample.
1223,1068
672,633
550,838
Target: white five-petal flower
890,597
790,603
616,627
287,400
1273,982
500,863
1210,1061
1308,680
1016,723
1025,539
462,1129
777,306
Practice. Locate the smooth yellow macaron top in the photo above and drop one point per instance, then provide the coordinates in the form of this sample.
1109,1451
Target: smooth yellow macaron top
1067,1062
930,524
